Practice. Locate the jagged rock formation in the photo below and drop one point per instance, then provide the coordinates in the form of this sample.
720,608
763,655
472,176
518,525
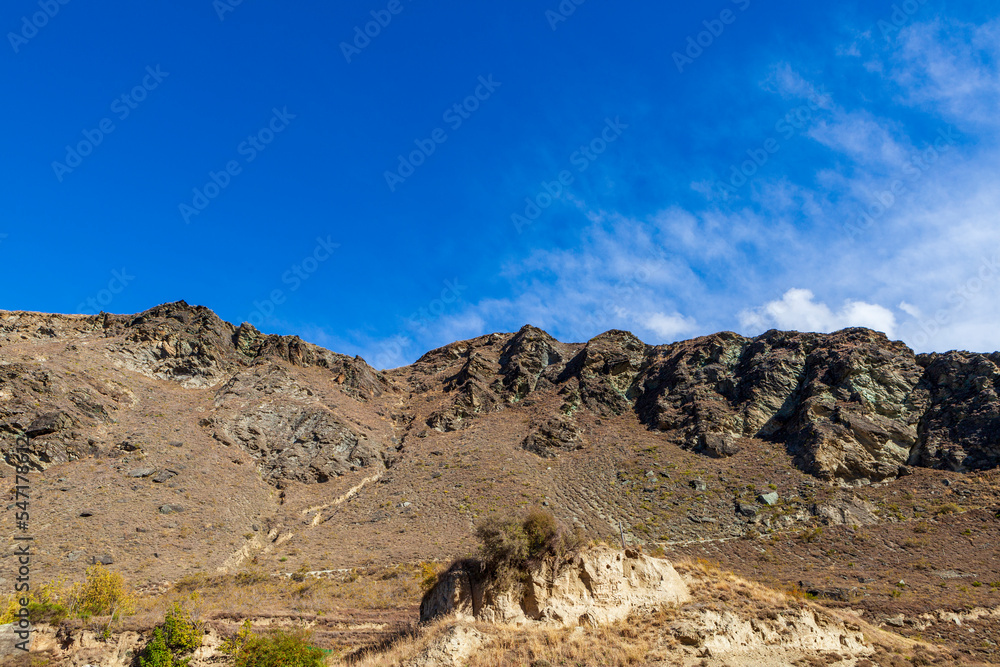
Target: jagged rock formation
960,430
594,587
556,435
193,346
851,406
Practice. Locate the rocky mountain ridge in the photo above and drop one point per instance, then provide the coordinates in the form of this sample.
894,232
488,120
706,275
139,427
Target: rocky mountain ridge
850,406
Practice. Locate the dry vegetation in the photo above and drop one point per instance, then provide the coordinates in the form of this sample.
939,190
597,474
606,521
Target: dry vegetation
646,638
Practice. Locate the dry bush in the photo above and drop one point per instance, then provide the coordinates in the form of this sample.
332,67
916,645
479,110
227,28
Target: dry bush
509,545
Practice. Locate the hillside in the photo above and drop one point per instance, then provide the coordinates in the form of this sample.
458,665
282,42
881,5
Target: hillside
171,443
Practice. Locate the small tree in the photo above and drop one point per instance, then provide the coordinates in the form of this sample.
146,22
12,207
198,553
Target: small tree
156,653
103,593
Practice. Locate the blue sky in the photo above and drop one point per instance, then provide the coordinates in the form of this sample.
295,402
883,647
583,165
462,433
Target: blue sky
466,168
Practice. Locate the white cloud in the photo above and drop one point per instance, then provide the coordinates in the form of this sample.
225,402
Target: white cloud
862,137
669,327
798,310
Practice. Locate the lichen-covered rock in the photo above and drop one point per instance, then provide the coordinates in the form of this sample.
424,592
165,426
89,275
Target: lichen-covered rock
528,362
857,410
850,511
845,405
850,406
605,370
306,444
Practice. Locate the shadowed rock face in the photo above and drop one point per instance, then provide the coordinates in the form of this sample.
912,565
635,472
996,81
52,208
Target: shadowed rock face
960,429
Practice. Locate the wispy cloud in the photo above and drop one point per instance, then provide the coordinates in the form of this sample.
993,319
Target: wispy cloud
950,67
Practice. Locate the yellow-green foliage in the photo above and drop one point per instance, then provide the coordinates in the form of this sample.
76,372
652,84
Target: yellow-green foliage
181,633
103,593
44,604
428,576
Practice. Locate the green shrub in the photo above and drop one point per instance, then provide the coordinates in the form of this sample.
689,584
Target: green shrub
177,636
156,653
280,649
181,633
502,542
48,603
948,508
47,611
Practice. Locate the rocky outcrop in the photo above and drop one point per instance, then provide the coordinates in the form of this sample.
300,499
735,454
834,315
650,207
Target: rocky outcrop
452,648
473,395
185,344
54,410
593,587
309,445
848,511
554,436
851,406
288,431
529,362
602,375
192,346
843,404
776,639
